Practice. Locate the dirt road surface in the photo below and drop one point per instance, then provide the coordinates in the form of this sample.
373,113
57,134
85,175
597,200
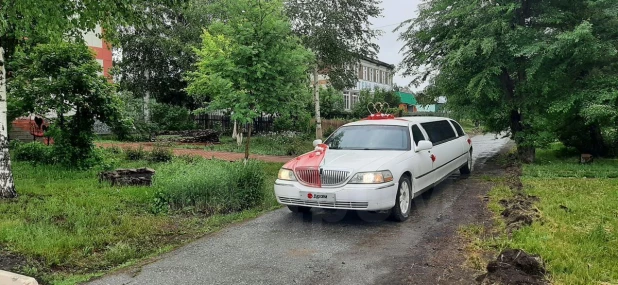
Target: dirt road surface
337,248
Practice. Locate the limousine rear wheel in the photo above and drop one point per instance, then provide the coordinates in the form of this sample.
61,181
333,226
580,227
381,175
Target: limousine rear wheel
403,202
467,169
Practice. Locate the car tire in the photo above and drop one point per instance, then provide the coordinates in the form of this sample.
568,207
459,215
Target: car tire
403,200
299,209
467,168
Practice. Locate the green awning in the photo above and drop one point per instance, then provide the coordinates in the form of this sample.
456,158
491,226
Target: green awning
407,98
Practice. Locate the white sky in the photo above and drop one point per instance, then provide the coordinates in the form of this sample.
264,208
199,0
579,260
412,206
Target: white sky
395,12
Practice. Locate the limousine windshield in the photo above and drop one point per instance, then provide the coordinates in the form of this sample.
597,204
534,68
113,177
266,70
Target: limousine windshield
370,137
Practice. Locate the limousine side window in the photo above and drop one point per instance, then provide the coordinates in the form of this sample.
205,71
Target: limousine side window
439,131
417,134
460,131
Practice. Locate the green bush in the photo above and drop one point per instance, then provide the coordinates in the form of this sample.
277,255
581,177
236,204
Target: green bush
135,153
209,186
161,154
34,152
296,147
172,118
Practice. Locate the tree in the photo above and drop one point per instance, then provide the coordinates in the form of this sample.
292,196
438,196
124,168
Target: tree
64,78
156,54
331,103
339,33
250,62
26,22
389,98
515,66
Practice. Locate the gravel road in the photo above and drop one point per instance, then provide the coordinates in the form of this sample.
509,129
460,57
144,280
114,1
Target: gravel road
334,248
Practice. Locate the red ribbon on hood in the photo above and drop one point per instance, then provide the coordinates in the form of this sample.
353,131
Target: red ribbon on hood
309,161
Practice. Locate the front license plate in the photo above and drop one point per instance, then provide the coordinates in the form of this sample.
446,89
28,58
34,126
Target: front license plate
317,197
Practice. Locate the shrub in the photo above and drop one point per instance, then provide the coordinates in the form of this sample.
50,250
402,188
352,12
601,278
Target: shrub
172,118
209,186
34,152
135,153
160,154
189,159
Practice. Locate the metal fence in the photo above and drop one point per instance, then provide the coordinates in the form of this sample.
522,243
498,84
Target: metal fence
222,122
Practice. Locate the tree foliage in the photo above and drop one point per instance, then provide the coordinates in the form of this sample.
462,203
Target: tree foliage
64,78
331,103
250,62
157,53
388,98
524,67
338,32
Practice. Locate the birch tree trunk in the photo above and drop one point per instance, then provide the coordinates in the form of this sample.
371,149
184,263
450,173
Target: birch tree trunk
235,131
316,100
7,187
147,101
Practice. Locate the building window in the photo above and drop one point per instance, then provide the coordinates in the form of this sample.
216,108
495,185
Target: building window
370,74
383,77
377,75
354,99
364,73
346,100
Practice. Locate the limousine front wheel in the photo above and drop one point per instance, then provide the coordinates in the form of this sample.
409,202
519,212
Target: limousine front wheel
401,211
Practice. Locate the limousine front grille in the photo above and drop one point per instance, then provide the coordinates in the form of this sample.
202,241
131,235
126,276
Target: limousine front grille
338,204
325,177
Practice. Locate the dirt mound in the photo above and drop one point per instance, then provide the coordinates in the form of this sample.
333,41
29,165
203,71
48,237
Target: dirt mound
10,261
519,211
128,177
514,266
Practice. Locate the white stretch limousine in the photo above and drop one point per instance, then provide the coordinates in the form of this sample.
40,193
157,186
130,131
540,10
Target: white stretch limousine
380,163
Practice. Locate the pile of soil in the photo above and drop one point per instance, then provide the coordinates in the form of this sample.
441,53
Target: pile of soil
10,261
128,177
514,266
519,211
193,136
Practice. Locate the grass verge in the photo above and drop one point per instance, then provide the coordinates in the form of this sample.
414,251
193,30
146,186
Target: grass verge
577,231
66,227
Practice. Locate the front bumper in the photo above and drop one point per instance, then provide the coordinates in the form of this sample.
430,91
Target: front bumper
372,197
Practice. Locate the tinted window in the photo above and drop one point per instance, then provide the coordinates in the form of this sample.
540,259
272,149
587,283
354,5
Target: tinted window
417,134
370,137
439,132
460,131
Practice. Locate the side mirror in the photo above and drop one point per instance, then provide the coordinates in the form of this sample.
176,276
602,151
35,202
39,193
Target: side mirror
424,145
317,142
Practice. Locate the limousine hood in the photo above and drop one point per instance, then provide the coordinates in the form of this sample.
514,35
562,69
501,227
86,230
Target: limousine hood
359,160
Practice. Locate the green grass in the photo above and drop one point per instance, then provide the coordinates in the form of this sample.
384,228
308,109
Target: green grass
469,127
72,228
278,145
267,145
577,233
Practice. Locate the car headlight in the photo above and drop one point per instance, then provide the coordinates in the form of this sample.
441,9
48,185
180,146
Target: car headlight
286,174
372,177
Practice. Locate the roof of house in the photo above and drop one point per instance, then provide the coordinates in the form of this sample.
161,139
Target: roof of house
378,62
407,98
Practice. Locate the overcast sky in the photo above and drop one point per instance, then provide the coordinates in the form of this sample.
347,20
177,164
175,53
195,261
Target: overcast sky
395,12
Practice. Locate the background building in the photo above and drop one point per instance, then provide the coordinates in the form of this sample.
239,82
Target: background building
372,74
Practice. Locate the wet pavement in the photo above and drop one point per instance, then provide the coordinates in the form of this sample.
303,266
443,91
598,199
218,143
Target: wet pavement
332,248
